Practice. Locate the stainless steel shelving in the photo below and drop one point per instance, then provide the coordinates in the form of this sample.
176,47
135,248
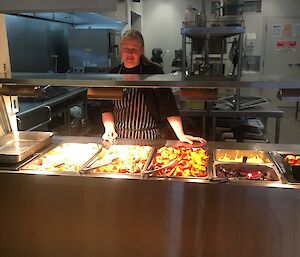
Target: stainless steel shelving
221,32
200,33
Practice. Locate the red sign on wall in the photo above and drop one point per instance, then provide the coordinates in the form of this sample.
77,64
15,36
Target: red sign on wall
286,46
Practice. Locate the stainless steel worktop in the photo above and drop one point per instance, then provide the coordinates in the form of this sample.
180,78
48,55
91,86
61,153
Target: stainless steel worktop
210,146
136,80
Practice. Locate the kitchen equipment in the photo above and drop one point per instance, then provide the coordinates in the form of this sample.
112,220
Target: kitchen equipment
190,16
17,146
232,7
93,50
201,19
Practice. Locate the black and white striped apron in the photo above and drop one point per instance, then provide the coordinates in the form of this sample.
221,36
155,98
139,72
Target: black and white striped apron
132,117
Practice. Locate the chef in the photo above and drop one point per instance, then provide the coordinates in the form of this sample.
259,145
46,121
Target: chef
143,112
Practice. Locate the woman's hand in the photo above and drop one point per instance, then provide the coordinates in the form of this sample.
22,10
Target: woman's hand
176,124
110,135
190,139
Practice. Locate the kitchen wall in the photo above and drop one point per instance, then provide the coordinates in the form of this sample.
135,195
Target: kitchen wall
120,13
34,42
280,7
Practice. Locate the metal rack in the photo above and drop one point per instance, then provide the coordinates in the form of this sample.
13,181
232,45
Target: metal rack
219,33
213,35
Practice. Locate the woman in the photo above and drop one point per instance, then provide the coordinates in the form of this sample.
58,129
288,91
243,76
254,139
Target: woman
142,113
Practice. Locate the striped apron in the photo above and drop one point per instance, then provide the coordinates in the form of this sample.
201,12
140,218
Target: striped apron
132,117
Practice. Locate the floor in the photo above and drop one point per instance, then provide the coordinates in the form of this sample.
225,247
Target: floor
289,130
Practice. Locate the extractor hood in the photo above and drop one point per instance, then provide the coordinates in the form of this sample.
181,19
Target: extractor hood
79,19
17,6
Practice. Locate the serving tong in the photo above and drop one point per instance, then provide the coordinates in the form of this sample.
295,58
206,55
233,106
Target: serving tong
170,164
91,167
85,168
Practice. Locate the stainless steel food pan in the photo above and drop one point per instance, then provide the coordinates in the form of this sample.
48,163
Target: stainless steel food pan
241,171
248,156
291,171
17,146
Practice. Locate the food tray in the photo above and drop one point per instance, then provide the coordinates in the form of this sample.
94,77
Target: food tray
179,162
17,146
241,156
122,159
290,169
245,172
64,157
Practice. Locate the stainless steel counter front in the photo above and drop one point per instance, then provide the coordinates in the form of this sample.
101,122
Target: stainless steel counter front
51,215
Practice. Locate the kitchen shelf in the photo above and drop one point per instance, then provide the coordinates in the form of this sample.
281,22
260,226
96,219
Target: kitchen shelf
208,34
202,32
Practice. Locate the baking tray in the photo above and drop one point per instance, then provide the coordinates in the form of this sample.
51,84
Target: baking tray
17,146
121,159
66,157
180,162
242,156
246,172
290,172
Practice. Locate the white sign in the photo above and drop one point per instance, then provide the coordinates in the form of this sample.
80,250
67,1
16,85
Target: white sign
277,30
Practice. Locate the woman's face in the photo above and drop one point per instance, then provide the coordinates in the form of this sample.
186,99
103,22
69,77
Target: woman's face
131,50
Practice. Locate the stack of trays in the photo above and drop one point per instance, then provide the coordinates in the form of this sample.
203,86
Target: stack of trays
244,165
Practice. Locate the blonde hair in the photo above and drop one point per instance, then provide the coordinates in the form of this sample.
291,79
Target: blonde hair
136,35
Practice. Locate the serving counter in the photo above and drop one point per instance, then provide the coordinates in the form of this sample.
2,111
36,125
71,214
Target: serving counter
47,214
